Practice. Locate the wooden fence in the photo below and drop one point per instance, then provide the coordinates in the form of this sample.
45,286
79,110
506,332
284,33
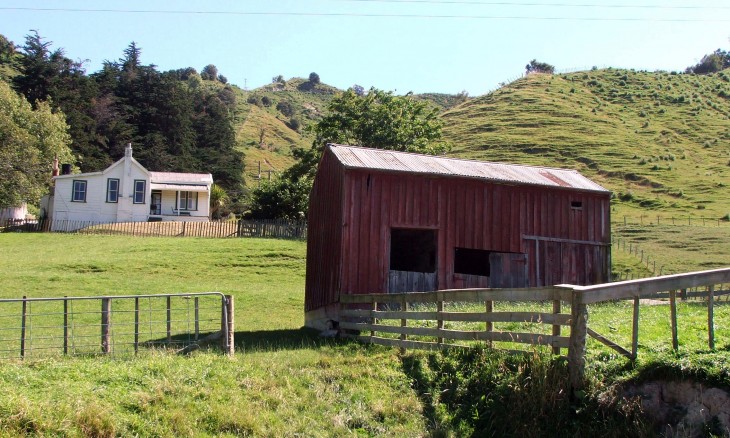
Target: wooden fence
277,228
384,318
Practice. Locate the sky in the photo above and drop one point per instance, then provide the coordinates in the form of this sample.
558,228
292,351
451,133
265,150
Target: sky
444,46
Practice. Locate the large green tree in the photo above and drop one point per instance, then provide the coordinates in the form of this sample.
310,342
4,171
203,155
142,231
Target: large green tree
29,140
378,119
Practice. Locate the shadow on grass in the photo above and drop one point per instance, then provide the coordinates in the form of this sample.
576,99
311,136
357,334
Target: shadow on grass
413,368
248,341
285,339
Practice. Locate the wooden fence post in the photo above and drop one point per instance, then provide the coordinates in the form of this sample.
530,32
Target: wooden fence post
556,327
169,321
136,324
106,315
197,318
577,343
22,327
635,331
489,325
403,323
373,320
439,322
65,326
228,325
710,316
673,316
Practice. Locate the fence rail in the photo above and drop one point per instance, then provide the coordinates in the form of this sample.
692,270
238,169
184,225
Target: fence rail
277,228
384,318
115,324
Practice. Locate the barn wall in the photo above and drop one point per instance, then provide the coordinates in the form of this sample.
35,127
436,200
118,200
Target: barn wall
324,231
471,214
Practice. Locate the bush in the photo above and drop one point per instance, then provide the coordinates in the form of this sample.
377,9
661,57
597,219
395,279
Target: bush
265,101
285,108
314,78
294,124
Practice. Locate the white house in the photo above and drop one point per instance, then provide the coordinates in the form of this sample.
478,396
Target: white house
127,192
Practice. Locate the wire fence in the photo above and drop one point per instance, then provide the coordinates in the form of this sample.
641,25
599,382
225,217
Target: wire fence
689,220
113,325
276,228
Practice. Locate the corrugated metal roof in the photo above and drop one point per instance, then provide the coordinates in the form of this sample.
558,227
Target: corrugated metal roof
180,187
386,160
181,178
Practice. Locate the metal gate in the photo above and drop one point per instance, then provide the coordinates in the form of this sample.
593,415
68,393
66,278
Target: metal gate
115,324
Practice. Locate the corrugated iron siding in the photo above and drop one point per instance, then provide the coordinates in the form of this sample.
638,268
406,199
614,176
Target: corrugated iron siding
324,241
464,212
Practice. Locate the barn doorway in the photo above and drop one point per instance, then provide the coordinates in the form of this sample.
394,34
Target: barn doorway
413,259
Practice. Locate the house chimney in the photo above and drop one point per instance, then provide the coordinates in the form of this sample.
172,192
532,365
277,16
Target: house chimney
128,150
55,167
65,169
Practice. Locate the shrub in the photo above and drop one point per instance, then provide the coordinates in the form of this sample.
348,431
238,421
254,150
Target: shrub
285,107
266,101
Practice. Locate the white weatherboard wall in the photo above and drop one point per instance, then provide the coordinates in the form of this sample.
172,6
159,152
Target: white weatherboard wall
96,208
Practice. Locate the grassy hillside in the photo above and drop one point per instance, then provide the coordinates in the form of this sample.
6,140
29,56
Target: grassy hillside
660,141
266,133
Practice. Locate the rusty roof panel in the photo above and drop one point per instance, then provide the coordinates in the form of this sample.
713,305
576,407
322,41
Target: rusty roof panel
386,160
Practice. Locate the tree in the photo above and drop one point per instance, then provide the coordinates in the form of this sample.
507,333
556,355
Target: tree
378,119
209,73
314,78
714,62
29,141
358,89
218,200
280,198
539,67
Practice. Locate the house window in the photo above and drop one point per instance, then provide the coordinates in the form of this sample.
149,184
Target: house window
412,250
112,190
188,201
139,191
79,191
576,205
471,261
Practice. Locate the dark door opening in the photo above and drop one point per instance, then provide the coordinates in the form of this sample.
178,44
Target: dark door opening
413,255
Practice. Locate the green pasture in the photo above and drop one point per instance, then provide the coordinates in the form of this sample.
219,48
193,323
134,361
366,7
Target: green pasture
283,380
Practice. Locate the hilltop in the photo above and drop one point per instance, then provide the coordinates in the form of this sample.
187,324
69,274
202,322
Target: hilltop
659,140
271,120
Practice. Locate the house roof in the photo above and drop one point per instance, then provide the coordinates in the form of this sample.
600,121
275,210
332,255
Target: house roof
181,178
392,161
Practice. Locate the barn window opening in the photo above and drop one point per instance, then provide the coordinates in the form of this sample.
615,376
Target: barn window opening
412,250
576,205
471,261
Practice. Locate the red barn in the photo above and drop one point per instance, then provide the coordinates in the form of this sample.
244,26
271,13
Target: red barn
385,221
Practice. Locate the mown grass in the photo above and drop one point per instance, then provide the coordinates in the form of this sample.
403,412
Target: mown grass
286,381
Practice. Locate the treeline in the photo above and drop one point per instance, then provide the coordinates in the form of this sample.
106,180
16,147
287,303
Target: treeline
176,120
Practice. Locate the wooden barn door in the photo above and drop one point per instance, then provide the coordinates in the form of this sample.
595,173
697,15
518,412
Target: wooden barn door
508,270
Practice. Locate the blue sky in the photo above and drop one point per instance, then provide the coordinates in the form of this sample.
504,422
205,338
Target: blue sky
401,45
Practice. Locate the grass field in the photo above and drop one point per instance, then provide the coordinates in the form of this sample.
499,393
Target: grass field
283,379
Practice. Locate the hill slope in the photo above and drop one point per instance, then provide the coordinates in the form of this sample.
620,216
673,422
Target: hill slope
658,140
